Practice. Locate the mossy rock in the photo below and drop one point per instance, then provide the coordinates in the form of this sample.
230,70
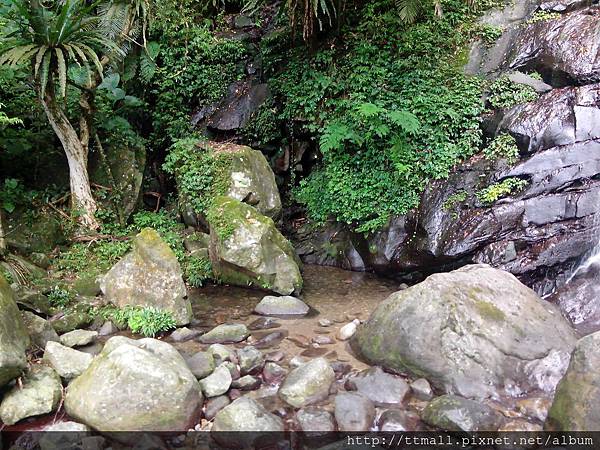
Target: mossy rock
34,234
248,250
149,276
483,327
14,339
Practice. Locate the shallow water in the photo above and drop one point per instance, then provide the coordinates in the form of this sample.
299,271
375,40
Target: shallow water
332,293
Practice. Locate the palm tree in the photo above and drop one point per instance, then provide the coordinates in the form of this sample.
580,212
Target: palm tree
51,40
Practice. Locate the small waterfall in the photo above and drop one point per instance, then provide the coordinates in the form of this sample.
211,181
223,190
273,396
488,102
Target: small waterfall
594,255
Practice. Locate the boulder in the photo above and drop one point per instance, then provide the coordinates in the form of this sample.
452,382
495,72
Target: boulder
202,364
486,335
251,360
225,333
40,394
315,421
221,353
243,422
247,249
453,413
149,276
67,362
40,330
246,383
214,405
235,110
579,298
566,47
217,383
576,405
78,338
135,385
14,339
308,383
354,412
380,387
281,306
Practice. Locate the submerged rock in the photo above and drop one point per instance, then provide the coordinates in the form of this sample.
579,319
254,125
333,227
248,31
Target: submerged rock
135,385
576,405
247,249
380,387
315,421
308,383
40,394
14,339
225,333
243,422
354,412
67,362
281,306
522,343
149,276
453,413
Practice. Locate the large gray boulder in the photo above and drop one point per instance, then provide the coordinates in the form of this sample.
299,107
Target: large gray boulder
149,276
576,405
14,339
131,385
308,383
247,249
40,394
567,46
486,335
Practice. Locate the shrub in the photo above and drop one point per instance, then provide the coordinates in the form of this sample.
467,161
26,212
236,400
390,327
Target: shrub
503,146
59,298
197,271
496,191
148,321
503,93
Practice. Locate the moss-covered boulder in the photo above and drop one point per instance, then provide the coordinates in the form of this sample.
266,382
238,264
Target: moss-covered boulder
149,276
576,405
476,332
14,339
131,385
247,249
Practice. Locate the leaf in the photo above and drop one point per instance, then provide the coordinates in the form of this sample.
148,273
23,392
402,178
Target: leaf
8,206
110,82
368,109
405,120
116,94
62,71
131,101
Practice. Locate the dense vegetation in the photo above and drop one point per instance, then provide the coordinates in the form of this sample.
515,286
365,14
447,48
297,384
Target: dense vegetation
90,91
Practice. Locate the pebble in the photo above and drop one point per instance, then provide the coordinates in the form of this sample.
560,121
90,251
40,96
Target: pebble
322,340
264,323
325,322
348,330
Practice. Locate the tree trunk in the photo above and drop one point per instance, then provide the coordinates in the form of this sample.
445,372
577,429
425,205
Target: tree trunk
82,200
2,236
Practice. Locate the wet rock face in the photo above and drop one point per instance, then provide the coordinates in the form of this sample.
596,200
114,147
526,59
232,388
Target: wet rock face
236,109
453,413
141,385
576,405
247,249
14,339
149,276
522,342
579,300
567,47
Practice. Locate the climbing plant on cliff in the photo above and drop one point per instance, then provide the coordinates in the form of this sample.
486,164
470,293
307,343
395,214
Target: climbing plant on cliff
65,46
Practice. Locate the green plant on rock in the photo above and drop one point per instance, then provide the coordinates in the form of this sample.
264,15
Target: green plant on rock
59,297
147,321
542,16
197,271
503,146
503,93
201,173
509,186
489,34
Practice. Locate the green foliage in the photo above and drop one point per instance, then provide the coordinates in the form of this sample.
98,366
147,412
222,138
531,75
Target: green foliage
542,16
194,69
362,101
201,173
262,128
148,321
12,194
197,270
5,120
503,146
489,34
503,93
455,199
52,39
509,186
59,297
166,224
